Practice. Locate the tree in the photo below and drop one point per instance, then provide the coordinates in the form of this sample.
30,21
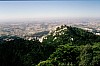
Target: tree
64,55
86,56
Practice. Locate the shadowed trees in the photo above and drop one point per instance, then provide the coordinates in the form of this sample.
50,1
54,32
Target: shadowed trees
66,45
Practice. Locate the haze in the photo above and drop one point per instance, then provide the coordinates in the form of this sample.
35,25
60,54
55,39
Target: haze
10,10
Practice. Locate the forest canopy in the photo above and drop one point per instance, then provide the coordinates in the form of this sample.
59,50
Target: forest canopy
66,46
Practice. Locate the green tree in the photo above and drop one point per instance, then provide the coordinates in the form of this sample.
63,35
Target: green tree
86,55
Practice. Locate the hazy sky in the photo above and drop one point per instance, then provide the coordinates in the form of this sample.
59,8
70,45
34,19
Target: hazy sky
39,9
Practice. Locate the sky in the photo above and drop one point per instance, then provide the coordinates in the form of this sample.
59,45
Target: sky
48,9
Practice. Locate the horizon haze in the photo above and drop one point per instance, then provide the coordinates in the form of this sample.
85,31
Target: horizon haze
16,10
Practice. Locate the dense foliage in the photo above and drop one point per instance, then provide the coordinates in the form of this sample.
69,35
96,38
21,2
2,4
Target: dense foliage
20,52
66,46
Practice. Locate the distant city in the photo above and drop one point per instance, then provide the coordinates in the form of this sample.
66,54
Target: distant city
29,29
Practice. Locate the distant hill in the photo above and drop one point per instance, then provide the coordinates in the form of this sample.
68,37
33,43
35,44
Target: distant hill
40,34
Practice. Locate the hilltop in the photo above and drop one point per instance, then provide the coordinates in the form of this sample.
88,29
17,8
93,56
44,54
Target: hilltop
64,46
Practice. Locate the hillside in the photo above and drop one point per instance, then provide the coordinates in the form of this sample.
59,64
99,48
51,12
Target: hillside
66,45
